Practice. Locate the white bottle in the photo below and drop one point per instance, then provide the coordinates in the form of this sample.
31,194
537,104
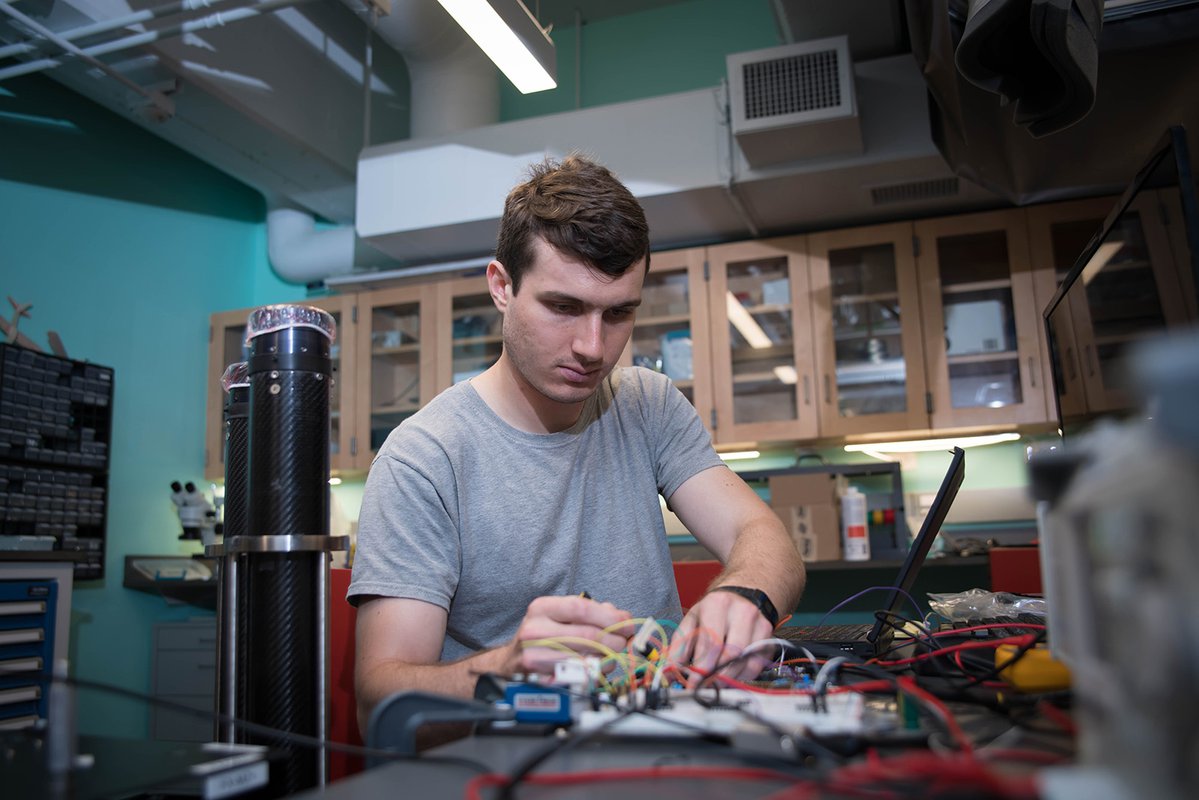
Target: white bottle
855,537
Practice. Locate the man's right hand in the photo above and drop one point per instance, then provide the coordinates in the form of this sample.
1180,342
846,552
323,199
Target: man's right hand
574,622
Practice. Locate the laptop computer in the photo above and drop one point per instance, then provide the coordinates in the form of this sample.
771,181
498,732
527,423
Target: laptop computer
865,639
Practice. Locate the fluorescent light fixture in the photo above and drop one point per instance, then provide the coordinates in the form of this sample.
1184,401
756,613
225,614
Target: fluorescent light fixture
880,450
511,37
1102,256
335,481
739,455
745,324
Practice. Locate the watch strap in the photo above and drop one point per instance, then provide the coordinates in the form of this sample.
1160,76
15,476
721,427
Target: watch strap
756,596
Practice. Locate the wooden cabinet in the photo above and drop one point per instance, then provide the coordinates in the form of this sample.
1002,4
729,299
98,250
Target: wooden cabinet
226,345
901,328
469,334
672,333
866,314
397,371
982,338
1132,291
762,358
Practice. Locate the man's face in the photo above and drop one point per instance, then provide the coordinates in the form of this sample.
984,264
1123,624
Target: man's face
567,326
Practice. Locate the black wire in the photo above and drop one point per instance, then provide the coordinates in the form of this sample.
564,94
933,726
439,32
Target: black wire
250,727
555,747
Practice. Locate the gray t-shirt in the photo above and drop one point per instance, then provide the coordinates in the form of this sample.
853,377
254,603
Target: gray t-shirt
466,512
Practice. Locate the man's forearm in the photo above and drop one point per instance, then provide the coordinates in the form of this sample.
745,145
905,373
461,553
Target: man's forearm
764,557
457,678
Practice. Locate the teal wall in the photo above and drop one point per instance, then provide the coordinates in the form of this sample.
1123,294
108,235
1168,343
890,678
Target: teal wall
676,48
124,245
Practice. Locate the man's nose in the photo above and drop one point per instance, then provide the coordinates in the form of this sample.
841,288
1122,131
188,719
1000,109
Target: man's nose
589,338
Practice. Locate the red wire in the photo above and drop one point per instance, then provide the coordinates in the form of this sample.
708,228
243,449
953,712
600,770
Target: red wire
1019,641
1059,717
491,779
908,685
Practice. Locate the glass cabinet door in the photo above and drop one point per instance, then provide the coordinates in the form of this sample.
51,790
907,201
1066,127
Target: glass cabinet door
761,341
395,361
982,323
1132,291
471,339
671,334
226,346
865,313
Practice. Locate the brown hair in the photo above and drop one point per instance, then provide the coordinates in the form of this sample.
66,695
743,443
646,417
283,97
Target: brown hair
581,210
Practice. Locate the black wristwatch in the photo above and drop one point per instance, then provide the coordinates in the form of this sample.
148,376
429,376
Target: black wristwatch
759,598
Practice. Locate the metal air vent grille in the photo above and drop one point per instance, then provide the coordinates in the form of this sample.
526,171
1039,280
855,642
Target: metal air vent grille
794,102
792,85
914,191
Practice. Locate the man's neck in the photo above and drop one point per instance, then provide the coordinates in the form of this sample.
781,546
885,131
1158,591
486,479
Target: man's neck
519,404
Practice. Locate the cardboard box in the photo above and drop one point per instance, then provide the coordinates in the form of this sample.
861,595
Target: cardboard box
808,507
815,531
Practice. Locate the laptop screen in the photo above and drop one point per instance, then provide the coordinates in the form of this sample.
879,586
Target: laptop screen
924,540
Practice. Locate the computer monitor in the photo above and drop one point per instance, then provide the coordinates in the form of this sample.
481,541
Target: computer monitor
1135,278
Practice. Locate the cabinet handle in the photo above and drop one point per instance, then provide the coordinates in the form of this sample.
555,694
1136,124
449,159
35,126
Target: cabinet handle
828,390
1070,364
807,391
1087,358
1032,372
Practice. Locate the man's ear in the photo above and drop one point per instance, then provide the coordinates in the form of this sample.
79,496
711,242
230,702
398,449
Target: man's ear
499,284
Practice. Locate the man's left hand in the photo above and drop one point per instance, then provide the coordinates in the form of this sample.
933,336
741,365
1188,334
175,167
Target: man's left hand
717,630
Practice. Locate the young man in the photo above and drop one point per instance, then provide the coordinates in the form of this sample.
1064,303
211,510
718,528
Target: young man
491,517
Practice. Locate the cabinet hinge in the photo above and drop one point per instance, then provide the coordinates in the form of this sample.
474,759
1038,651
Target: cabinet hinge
928,402
915,247
354,313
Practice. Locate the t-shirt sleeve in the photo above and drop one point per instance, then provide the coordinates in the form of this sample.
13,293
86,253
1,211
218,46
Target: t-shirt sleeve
408,545
682,446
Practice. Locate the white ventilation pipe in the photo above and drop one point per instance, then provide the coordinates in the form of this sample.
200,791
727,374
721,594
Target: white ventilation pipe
302,254
453,87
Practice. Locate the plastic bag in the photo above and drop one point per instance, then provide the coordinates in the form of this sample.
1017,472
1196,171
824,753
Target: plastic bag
979,604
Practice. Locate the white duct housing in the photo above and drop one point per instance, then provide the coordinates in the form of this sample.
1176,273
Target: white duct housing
423,201
794,102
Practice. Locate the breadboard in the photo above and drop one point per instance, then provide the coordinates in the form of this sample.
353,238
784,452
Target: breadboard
738,708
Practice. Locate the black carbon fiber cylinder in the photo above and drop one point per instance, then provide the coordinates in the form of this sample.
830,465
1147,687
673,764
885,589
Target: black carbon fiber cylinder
232,621
290,376
290,372
237,453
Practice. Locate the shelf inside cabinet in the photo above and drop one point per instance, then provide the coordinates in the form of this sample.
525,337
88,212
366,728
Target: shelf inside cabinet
399,349
975,286
852,335
892,370
873,297
469,340
663,319
981,358
400,408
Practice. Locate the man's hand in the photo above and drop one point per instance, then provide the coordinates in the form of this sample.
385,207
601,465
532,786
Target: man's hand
575,622
717,630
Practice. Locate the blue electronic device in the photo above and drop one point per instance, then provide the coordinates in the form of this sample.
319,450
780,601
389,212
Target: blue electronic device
537,703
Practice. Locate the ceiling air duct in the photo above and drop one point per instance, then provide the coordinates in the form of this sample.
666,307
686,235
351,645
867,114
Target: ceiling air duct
794,102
